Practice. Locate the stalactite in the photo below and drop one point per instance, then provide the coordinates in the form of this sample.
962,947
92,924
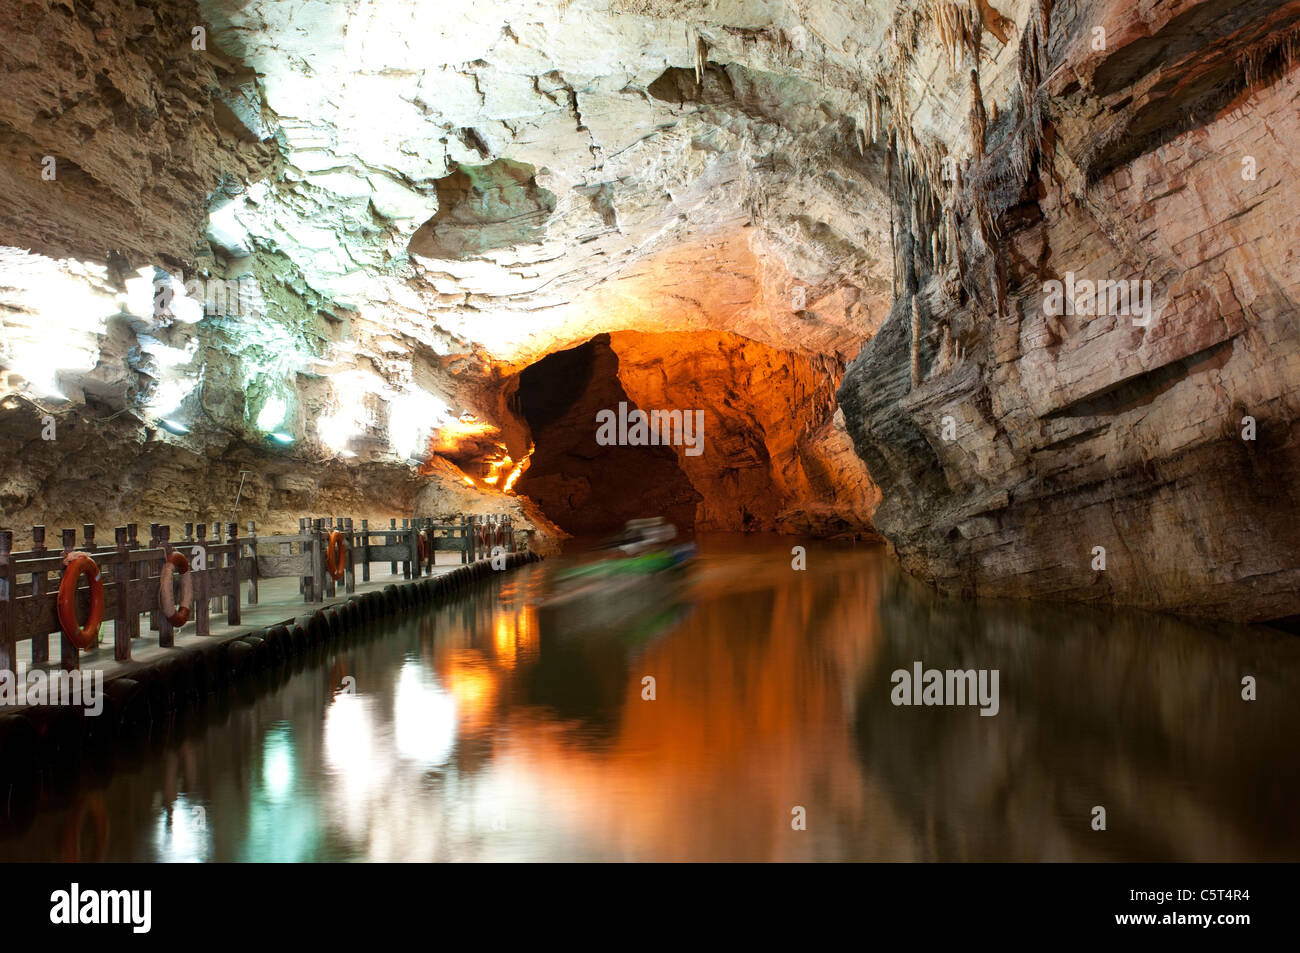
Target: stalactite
1263,62
1031,73
995,22
916,343
893,251
978,119
943,362
956,22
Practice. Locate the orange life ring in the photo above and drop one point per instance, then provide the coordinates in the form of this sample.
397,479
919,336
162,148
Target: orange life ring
93,805
335,555
177,617
75,564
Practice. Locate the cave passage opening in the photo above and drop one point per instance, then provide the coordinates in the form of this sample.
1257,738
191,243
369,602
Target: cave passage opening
586,485
711,430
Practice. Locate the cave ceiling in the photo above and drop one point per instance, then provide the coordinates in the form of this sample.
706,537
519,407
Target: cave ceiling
421,200
636,165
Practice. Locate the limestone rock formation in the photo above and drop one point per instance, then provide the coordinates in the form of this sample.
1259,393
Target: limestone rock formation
1142,448
323,242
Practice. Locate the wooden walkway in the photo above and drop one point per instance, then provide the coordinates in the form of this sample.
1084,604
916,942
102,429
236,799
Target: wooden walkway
279,602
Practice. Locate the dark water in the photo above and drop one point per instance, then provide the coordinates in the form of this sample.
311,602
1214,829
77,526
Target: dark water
487,730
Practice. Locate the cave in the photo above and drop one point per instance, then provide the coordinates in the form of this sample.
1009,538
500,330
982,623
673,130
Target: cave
987,301
847,250
584,487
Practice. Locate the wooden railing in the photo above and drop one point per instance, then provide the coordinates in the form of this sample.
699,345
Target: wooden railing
225,572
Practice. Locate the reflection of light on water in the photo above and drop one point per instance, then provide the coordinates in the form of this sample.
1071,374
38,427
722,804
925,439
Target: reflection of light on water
351,757
280,827
180,834
349,743
424,717
348,728
515,636
277,764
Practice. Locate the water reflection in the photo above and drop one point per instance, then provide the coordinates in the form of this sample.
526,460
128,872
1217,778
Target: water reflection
491,730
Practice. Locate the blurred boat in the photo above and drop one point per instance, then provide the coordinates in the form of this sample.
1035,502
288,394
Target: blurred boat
645,578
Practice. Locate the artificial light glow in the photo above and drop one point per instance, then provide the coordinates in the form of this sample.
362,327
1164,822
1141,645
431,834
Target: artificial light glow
424,717
277,763
411,418
52,314
180,833
335,430
272,414
174,426
495,467
455,432
518,471
351,415
282,438
153,292
355,756
167,396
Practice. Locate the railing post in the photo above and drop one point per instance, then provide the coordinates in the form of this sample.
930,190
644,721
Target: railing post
69,659
216,588
202,622
365,550
390,541
41,642
350,570
166,634
410,548
427,535
252,566
132,544
153,602
317,562
88,545
232,566
304,549
331,587
122,582
8,615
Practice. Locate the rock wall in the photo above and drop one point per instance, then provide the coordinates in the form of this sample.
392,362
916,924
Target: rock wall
1169,438
131,387
772,455
775,456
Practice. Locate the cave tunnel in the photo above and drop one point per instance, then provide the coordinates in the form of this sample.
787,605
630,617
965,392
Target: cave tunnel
585,487
737,437
338,337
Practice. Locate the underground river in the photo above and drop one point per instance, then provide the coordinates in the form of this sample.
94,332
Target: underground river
488,729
